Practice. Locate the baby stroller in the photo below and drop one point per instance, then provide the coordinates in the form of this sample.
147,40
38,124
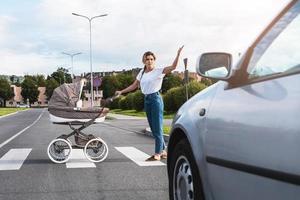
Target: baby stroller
65,107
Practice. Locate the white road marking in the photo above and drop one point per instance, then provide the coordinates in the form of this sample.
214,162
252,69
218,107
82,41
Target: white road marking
78,160
19,133
138,156
14,159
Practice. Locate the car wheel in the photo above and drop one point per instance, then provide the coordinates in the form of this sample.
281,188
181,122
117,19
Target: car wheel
184,179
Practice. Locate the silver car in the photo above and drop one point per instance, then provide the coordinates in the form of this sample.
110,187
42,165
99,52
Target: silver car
240,138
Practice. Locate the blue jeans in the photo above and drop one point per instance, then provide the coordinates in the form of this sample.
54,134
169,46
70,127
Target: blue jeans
154,108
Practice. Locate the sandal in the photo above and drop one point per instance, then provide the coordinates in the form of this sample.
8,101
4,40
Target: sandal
153,158
164,155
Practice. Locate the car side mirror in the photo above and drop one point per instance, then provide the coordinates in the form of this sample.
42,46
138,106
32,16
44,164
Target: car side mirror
214,65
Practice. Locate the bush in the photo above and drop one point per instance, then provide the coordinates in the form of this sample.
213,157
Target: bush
123,103
130,101
138,101
115,103
194,87
175,97
169,104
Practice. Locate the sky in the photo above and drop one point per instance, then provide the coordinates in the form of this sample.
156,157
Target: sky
34,33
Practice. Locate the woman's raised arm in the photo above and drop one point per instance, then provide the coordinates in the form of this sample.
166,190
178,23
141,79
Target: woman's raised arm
169,69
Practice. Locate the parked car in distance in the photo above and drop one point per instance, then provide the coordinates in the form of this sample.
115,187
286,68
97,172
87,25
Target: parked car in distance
239,139
22,105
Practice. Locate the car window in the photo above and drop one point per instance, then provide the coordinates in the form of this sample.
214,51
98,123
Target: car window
283,54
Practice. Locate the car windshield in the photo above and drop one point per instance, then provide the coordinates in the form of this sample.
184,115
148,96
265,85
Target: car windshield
279,51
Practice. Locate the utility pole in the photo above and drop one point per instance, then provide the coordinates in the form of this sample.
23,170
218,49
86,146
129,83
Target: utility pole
186,78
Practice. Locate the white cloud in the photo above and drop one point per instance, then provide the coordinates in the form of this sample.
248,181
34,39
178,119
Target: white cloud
4,28
133,27
21,64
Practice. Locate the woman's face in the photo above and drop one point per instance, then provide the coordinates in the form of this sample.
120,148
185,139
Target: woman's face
149,61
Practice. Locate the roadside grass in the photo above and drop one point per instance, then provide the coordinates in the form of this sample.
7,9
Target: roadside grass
6,111
167,129
139,114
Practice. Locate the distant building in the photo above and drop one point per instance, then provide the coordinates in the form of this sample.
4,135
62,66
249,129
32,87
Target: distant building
18,99
193,75
133,71
98,95
42,98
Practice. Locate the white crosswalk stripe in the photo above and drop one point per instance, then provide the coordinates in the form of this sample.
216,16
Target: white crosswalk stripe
138,156
78,160
13,159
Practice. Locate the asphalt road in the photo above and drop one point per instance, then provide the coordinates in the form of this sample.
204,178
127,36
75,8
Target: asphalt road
118,177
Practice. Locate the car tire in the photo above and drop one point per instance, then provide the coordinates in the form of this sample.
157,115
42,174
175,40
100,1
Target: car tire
184,178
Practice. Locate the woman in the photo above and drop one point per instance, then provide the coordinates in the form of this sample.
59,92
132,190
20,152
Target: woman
150,79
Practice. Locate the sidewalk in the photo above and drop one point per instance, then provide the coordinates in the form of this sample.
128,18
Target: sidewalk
146,130
118,116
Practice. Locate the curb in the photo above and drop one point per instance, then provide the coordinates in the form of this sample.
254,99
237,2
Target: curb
147,132
3,116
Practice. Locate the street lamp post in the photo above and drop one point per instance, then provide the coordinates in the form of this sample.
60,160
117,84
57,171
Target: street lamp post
71,55
90,22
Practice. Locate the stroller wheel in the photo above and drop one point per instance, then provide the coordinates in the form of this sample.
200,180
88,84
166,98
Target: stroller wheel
96,150
59,150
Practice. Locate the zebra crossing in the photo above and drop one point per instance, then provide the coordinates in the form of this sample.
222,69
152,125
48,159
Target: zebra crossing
14,159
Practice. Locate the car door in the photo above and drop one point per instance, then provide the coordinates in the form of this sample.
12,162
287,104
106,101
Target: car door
252,142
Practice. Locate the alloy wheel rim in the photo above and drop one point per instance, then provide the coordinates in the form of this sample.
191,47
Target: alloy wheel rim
183,180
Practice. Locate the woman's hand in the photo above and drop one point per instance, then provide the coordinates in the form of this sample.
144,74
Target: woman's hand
179,50
118,93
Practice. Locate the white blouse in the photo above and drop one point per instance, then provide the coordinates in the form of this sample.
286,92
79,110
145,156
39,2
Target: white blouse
151,81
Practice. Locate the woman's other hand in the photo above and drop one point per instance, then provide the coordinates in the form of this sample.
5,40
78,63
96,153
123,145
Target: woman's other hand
179,50
169,69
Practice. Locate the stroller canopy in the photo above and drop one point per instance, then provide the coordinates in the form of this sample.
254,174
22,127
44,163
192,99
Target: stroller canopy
62,105
66,95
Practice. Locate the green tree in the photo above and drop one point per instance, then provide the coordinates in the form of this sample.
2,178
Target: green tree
124,80
112,83
109,85
170,81
40,80
5,91
51,84
61,75
15,80
29,90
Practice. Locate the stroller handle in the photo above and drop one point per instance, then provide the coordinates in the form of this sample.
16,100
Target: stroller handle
109,100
